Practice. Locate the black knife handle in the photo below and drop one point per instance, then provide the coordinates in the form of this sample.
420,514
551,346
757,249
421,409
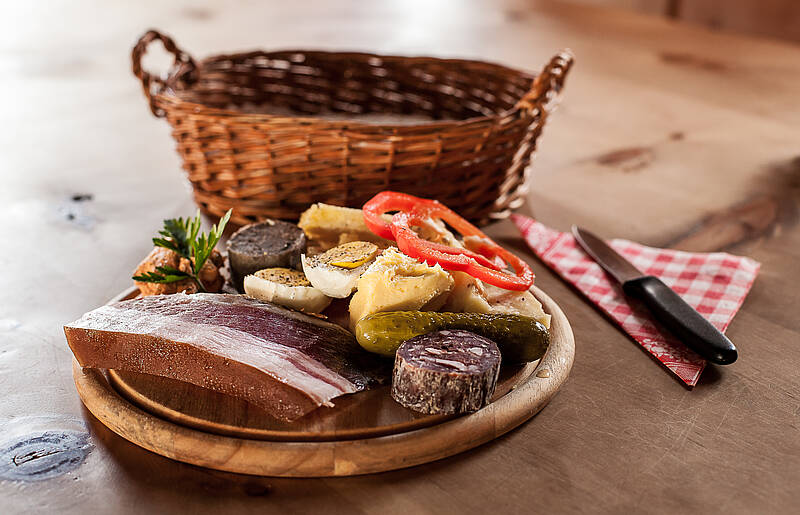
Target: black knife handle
682,320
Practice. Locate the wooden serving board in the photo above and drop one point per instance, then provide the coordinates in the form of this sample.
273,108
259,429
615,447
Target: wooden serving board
366,414
364,433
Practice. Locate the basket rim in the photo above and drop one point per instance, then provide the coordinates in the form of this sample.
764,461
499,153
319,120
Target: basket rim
170,96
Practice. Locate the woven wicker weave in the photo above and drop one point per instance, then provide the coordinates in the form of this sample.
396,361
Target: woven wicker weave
473,156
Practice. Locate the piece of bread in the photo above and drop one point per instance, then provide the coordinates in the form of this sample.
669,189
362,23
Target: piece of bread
327,226
209,275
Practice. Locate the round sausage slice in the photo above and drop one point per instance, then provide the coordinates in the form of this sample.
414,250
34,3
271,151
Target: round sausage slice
267,244
445,372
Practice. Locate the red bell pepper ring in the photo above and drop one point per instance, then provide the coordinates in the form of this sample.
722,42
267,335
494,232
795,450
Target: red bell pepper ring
486,264
455,256
474,238
385,202
463,260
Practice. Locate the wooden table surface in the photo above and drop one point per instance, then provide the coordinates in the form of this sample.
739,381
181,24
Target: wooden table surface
669,135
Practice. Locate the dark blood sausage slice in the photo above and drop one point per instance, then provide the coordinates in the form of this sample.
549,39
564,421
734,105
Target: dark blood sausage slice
446,372
267,244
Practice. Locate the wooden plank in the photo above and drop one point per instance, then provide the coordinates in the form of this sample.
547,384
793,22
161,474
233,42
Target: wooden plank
666,130
776,19
770,18
645,6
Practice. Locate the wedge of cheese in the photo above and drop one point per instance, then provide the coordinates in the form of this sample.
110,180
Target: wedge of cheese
327,226
470,295
396,282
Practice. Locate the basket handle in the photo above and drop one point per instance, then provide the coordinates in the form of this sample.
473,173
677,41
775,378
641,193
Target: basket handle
545,92
184,66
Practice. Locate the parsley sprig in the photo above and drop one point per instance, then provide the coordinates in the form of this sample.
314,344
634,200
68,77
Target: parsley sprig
183,237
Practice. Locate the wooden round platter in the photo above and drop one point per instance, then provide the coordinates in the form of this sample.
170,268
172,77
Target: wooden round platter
364,433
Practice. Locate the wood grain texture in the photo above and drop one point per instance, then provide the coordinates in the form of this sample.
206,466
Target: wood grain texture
770,18
88,176
353,452
646,6
367,414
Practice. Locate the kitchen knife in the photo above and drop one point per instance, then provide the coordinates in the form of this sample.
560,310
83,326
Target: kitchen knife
668,307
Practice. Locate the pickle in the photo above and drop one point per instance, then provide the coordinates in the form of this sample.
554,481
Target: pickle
521,339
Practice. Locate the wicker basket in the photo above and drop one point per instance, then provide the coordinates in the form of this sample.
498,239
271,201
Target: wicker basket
472,156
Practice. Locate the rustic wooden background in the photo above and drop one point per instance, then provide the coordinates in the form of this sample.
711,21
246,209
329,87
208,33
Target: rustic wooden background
770,18
670,134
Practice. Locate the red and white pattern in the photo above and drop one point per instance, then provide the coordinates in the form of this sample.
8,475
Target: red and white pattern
714,284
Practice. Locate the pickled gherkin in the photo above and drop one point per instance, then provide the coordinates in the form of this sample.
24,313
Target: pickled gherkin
521,339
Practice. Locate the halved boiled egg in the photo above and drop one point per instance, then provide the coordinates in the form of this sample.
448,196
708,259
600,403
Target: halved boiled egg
286,287
336,271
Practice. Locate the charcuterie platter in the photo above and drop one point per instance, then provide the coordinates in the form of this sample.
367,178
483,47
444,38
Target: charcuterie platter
353,358
202,434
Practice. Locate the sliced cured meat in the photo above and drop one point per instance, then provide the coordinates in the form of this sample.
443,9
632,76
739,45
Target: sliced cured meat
446,372
283,361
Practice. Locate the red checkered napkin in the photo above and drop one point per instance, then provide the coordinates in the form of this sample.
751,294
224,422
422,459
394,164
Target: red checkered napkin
714,284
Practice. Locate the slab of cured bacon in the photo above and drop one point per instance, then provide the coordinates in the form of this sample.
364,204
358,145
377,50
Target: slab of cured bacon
283,361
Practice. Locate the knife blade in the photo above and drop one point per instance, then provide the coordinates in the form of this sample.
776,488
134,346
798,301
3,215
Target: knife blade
667,307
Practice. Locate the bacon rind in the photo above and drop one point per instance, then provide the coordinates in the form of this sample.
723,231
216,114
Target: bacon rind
283,361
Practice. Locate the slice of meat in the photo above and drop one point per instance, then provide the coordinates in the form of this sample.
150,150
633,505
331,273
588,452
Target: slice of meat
446,372
283,361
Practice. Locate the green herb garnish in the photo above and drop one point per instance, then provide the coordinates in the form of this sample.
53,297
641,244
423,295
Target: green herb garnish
181,237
